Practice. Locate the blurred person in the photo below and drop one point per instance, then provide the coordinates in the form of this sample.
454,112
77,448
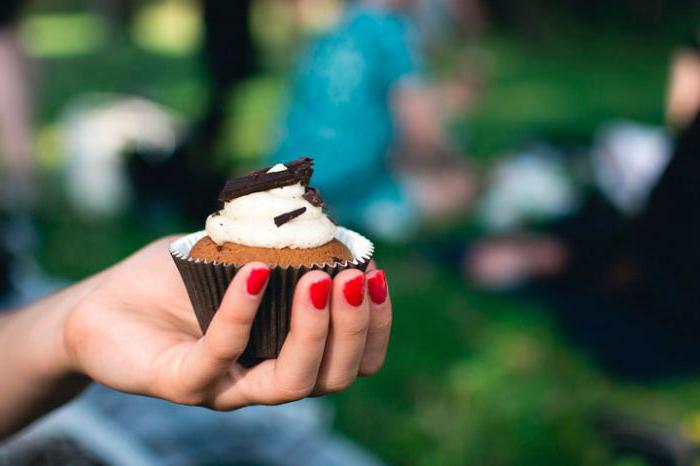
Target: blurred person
621,273
132,328
4,275
17,167
16,143
359,97
230,57
683,92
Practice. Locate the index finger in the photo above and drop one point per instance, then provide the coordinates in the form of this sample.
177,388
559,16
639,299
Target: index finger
229,331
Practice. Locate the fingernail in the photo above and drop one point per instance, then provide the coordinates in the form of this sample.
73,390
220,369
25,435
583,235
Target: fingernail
377,287
319,292
354,290
256,280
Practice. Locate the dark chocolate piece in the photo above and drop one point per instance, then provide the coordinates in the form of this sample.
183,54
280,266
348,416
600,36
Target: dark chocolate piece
313,197
298,171
284,218
302,162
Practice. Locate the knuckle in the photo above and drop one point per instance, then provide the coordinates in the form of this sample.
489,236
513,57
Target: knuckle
190,398
371,367
288,394
238,319
177,392
219,406
220,353
314,335
355,329
339,385
382,324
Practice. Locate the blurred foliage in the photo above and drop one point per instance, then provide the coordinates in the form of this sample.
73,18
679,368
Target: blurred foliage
470,378
547,18
561,91
170,27
63,34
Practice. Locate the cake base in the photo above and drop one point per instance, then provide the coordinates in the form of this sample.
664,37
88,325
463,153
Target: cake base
238,254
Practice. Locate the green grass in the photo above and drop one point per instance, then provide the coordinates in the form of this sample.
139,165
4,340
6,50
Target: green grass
470,378
564,89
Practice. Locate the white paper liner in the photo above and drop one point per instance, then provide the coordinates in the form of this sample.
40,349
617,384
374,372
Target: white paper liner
360,247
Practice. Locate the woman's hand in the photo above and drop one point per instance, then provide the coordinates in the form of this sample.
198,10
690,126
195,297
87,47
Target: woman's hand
135,331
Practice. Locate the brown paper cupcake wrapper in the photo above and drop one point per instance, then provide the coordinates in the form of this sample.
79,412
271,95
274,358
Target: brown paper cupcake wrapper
206,283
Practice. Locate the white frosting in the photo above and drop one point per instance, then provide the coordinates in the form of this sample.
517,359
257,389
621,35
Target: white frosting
249,220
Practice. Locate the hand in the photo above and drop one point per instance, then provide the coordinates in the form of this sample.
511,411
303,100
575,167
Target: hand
136,332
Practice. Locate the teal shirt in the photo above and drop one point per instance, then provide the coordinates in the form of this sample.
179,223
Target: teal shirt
340,111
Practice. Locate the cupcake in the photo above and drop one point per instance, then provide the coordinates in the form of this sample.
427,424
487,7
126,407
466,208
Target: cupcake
283,225
272,216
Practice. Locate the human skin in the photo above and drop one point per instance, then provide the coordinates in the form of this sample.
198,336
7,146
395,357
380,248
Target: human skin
15,108
132,328
683,92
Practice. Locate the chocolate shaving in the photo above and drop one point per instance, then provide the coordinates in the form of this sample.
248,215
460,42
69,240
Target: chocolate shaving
313,197
284,218
298,171
301,162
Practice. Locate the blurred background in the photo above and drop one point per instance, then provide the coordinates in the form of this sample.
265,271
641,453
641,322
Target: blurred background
531,190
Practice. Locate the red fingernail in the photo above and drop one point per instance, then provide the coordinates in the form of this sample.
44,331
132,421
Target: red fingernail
319,292
377,287
354,290
256,280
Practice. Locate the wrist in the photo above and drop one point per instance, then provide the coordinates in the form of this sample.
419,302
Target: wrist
37,360
41,334
69,341
52,361
38,372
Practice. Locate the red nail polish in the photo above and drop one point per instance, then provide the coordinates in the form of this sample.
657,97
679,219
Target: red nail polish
354,290
377,287
319,292
256,280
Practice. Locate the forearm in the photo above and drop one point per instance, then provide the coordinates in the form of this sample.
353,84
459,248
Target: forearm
37,373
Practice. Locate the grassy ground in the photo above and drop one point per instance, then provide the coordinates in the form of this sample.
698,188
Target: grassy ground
471,378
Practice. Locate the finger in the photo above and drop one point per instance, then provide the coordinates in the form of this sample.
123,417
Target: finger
346,341
229,331
296,368
371,266
379,323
